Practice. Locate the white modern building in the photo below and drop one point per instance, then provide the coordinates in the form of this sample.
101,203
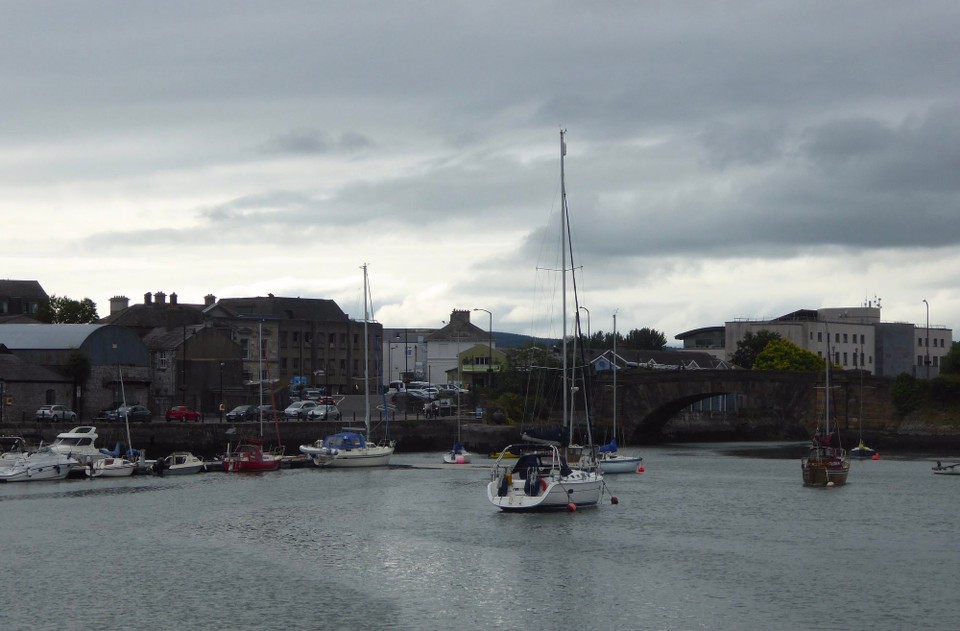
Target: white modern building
855,338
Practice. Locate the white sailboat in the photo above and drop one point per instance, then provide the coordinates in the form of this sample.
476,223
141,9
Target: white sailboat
611,460
541,478
114,465
350,448
457,454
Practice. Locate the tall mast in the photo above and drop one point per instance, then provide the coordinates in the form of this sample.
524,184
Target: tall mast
614,376
563,282
366,355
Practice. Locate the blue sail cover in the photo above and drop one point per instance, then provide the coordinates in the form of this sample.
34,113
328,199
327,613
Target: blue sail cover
345,441
609,448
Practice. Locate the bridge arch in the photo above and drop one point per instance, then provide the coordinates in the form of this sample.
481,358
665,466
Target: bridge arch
769,405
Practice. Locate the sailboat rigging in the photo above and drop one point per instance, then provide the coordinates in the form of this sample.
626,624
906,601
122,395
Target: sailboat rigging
827,463
351,448
542,477
611,461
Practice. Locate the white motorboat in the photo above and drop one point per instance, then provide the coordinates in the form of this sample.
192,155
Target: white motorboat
110,467
43,464
179,463
350,448
541,478
79,444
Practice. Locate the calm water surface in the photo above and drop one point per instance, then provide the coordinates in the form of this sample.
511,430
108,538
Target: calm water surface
704,539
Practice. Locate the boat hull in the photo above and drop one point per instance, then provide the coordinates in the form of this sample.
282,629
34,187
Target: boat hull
825,471
37,468
616,463
378,456
513,495
110,468
462,457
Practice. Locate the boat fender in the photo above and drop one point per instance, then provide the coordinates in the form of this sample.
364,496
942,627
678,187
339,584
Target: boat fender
543,485
503,486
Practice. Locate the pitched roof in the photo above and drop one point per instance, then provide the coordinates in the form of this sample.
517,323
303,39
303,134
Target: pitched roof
46,336
316,309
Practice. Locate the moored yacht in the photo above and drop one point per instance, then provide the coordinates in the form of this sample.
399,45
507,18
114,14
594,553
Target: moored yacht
80,444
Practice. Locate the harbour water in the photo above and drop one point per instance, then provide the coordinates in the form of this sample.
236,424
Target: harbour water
709,537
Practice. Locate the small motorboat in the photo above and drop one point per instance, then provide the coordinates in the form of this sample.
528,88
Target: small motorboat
249,457
179,463
947,469
110,467
43,464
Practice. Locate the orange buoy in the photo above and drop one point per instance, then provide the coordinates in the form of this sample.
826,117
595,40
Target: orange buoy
614,499
875,456
640,469
572,507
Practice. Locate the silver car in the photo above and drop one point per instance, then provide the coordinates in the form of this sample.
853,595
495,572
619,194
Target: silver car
299,409
55,413
324,413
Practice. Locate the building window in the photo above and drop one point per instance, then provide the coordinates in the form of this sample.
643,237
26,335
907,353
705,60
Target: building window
844,338
844,359
245,348
861,338
819,336
161,360
920,342
919,360
836,338
935,358
854,360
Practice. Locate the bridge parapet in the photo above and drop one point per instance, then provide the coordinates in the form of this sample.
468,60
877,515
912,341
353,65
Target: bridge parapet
766,404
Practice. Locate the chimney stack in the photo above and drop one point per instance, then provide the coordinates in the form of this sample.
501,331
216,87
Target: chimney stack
118,304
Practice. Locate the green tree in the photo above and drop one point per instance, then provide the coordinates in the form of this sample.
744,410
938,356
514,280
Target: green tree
781,354
950,363
751,345
907,393
645,339
64,310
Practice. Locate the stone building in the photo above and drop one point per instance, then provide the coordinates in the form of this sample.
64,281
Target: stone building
112,353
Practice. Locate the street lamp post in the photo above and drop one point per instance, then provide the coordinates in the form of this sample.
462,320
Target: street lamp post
926,340
489,347
221,392
589,338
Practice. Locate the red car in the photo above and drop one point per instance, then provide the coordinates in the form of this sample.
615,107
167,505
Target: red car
182,413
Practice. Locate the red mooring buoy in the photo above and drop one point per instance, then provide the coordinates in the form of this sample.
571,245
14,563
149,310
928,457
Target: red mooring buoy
572,507
875,456
640,469
614,499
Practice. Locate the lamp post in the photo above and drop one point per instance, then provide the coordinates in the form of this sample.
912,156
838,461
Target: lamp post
589,339
221,392
926,340
3,398
489,347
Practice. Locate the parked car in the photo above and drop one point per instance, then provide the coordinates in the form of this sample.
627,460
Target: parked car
182,413
324,412
132,413
268,412
312,394
55,413
243,413
299,409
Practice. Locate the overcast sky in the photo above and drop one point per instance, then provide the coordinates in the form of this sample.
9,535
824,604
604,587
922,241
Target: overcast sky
725,159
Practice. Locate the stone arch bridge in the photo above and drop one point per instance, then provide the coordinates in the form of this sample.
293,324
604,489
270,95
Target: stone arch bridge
655,405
